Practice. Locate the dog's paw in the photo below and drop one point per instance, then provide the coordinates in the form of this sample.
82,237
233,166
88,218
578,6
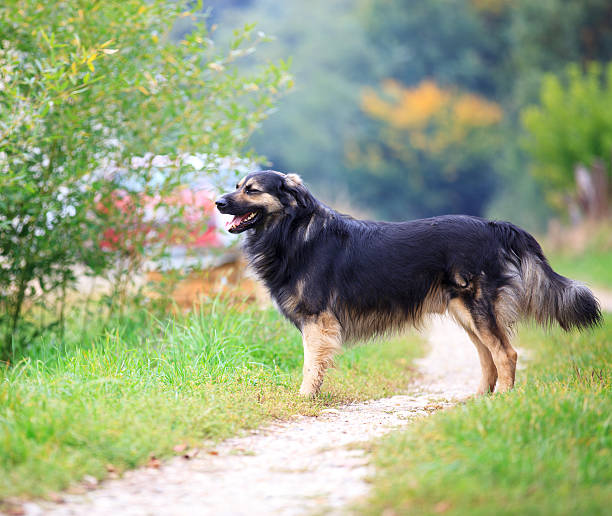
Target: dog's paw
307,391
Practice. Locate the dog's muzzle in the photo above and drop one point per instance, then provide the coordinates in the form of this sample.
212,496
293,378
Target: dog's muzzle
221,203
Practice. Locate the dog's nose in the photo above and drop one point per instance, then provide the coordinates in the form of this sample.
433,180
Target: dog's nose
221,203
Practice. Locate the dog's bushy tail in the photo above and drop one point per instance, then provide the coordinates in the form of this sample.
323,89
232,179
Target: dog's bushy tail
549,297
546,295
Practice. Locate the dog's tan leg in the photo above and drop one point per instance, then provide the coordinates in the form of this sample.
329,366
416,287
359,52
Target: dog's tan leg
487,365
504,356
322,339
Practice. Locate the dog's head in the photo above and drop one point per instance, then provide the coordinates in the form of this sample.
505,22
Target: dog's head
262,196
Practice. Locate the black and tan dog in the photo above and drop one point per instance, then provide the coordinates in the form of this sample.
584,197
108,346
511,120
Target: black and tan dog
339,279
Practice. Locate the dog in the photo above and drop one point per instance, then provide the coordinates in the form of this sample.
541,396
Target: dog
339,279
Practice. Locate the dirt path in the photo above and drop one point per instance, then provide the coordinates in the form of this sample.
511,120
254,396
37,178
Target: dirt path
300,466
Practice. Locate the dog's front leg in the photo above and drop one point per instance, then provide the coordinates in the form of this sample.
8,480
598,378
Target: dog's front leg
322,339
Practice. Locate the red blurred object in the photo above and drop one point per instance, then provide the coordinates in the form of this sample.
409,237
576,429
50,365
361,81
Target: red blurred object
147,222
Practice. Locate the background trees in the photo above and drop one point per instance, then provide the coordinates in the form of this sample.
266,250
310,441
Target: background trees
572,127
446,138
497,50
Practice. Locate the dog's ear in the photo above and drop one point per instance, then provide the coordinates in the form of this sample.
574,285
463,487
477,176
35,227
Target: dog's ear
292,184
294,178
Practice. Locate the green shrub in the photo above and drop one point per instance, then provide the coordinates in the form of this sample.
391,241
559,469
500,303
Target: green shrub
85,87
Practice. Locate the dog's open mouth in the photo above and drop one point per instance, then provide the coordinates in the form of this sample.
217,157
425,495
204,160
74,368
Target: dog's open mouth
241,223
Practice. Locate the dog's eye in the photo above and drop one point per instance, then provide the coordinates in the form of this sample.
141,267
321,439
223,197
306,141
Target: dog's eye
251,190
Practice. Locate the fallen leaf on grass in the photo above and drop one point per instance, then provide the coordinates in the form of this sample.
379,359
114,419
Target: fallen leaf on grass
153,462
190,454
113,474
213,452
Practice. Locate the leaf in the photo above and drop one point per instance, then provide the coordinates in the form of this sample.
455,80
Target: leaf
153,462
110,51
191,453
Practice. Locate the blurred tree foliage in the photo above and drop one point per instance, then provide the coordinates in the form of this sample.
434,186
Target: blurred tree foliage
498,50
450,41
440,55
444,137
543,37
331,60
572,125
84,87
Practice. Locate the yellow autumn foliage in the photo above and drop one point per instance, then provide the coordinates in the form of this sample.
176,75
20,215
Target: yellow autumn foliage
434,117
409,107
470,109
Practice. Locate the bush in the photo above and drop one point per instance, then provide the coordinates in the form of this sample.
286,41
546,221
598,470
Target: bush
83,88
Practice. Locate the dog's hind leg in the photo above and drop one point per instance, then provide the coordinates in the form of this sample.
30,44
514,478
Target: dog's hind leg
489,372
487,365
504,356
322,339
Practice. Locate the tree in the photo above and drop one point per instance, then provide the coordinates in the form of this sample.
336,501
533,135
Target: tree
332,61
544,36
85,86
571,126
496,49
443,40
434,144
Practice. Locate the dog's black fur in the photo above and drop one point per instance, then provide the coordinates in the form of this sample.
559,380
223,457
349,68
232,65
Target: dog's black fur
374,277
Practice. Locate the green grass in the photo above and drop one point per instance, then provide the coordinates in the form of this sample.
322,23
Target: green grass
593,267
545,448
72,409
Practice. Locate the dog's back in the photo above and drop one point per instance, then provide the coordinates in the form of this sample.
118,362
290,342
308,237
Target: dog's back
379,276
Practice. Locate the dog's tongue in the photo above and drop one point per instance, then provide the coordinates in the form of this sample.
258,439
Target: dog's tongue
236,221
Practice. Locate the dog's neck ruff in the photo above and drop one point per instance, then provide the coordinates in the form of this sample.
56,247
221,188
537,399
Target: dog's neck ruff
282,244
